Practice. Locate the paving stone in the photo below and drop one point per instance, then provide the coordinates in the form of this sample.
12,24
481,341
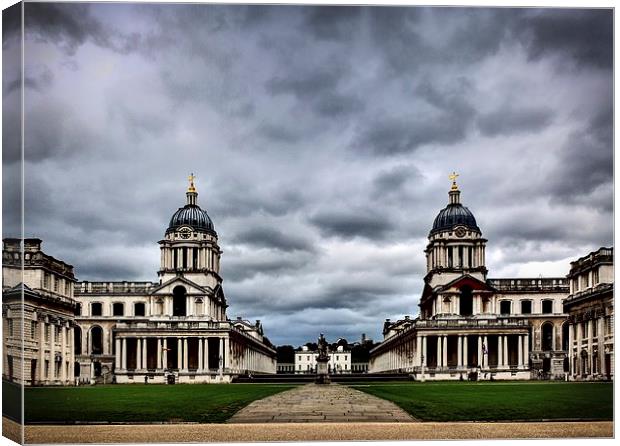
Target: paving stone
315,403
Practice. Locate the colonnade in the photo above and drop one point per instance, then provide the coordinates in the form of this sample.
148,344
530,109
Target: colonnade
464,255
205,257
415,352
46,372
232,356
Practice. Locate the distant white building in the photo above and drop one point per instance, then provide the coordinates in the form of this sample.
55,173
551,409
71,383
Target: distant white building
339,361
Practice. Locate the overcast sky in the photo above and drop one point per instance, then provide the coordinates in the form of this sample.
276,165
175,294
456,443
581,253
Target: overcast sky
321,139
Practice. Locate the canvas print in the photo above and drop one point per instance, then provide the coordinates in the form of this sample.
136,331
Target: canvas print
238,223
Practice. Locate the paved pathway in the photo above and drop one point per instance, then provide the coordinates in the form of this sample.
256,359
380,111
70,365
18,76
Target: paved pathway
320,404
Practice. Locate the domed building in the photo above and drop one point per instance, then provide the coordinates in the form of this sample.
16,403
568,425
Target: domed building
173,330
472,327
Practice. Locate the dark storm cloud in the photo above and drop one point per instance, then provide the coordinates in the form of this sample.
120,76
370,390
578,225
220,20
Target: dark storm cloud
586,159
351,223
333,23
507,120
267,237
585,36
71,25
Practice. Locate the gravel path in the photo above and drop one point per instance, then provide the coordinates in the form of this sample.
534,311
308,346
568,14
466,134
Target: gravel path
321,404
220,433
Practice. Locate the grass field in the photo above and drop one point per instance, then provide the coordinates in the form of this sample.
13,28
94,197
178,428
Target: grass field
484,401
212,403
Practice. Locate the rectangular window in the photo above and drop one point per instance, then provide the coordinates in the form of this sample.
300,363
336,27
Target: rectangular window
547,306
118,309
595,277
46,281
68,288
10,321
505,307
56,281
450,257
139,309
33,329
594,328
96,309
526,307
47,332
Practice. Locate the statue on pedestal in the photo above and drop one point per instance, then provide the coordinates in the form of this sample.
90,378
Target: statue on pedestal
322,370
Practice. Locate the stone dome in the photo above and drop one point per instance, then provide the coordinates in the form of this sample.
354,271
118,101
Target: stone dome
191,215
455,214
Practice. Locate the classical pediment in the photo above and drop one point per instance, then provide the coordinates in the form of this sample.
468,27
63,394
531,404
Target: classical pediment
167,287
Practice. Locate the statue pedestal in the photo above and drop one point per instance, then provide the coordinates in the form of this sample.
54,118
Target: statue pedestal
322,371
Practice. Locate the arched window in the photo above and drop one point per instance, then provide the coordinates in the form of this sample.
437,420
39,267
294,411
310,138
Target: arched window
466,301
547,336
77,340
96,340
179,301
199,307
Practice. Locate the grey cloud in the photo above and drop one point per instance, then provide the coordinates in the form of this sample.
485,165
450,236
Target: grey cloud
268,237
351,223
72,25
509,120
584,35
333,23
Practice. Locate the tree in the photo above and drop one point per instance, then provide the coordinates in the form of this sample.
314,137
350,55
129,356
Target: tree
285,354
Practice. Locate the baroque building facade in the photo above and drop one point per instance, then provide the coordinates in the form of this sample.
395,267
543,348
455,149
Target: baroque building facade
590,308
173,330
471,326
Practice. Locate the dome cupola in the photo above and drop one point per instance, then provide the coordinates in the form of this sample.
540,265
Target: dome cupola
191,214
455,214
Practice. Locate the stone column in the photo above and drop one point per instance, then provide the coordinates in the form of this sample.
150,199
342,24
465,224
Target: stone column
459,349
445,351
63,353
71,353
520,347
486,356
500,351
52,375
465,360
164,364
571,341
221,363
42,350
158,354
185,355
206,353
179,353
144,353
124,353
526,350
439,354
590,348
138,353
480,351
506,358
117,359
226,353
424,352
200,361
418,351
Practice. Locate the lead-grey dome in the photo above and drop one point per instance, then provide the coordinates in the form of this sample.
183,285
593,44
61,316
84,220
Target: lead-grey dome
191,215
454,214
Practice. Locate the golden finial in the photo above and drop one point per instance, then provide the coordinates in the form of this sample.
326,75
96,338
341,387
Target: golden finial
191,187
453,177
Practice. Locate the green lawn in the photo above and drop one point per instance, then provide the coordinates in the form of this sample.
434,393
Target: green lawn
463,401
204,403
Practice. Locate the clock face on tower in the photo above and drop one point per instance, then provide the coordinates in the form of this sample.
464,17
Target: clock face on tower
185,232
460,231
